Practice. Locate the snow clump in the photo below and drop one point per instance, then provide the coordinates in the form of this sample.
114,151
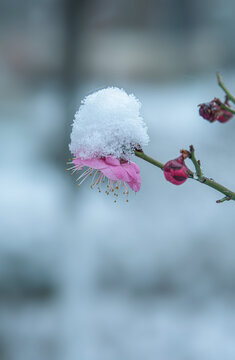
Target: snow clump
108,123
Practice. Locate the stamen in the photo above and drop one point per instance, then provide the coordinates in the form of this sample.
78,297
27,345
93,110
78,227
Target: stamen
98,180
92,181
117,187
87,171
111,183
85,178
72,167
125,188
109,188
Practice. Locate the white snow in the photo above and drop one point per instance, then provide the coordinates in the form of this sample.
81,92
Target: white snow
108,122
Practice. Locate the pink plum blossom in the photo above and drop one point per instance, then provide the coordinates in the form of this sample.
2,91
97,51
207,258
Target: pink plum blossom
118,172
106,130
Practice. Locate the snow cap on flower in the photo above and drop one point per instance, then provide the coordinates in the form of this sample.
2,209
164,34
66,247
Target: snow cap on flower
108,123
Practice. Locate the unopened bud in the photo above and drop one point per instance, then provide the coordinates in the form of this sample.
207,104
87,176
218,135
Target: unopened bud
213,111
176,171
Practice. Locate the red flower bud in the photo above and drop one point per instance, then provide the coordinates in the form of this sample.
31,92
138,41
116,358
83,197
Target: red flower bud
223,116
176,171
209,111
213,111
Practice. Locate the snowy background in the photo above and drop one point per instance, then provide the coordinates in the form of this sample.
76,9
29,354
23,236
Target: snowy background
84,278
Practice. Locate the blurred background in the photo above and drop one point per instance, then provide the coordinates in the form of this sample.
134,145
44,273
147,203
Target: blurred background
84,278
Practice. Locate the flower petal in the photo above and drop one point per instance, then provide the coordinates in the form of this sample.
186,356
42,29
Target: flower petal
131,169
135,166
108,172
121,173
112,161
94,163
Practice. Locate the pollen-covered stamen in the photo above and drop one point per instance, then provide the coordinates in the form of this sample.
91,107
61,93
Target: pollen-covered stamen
111,185
88,171
108,189
73,168
126,192
100,179
93,179
70,162
125,188
118,173
100,182
97,180
85,177
117,188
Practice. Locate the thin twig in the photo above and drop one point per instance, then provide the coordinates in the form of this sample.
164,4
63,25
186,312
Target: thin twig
145,157
225,107
223,87
226,198
229,195
196,163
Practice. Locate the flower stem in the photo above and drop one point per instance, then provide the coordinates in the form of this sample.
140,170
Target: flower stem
229,195
145,157
223,87
196,163
225,107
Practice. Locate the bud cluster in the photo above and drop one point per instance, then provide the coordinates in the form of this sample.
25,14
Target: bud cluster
213,111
